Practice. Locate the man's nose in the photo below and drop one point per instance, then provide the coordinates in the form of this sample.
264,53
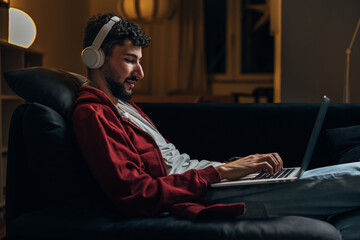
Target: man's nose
139,73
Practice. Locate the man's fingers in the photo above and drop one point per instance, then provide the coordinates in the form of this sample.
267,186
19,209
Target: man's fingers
265,166
277,161
273,159
270,162
280,161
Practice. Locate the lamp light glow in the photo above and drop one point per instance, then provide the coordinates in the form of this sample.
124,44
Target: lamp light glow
22,28
146,10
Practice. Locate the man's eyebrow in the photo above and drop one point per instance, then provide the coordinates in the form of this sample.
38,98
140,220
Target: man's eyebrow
132,55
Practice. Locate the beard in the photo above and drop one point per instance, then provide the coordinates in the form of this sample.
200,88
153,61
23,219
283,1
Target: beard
116,87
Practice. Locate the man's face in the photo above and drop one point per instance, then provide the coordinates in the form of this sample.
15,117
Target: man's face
122,70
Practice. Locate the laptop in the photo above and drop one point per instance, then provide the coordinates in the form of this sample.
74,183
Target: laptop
287,174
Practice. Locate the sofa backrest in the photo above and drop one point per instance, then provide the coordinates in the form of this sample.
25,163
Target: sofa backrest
53,88
45,167
220,131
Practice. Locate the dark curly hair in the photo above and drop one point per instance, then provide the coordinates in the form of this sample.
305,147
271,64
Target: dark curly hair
119,32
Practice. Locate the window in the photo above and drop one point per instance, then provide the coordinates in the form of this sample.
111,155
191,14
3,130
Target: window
238,43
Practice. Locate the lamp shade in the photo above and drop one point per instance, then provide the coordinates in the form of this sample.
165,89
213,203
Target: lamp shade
22,28
146,10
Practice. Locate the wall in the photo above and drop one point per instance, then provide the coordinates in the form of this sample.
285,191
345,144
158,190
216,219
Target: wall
60,26
315,34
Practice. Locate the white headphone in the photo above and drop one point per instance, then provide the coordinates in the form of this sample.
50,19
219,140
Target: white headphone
93,56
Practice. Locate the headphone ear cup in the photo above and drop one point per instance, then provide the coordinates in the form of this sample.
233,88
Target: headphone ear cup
93,58
101,58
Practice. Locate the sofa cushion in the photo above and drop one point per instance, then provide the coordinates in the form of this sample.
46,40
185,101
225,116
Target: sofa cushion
19,185
344,144
348,224
70,223
54,88
53,159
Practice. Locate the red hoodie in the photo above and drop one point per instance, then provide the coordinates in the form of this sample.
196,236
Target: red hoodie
128,165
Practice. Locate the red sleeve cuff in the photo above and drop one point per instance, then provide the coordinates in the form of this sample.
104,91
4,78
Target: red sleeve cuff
210,175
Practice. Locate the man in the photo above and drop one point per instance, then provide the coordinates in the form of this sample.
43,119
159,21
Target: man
142,173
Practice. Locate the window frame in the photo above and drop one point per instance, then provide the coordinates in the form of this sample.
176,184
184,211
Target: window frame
233,72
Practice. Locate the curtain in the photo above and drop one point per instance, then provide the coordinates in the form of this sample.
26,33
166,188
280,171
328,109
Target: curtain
175,58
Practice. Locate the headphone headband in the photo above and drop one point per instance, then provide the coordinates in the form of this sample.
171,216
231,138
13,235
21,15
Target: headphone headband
104,31
93,56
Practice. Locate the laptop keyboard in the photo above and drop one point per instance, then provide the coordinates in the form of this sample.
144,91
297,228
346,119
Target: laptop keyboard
280,174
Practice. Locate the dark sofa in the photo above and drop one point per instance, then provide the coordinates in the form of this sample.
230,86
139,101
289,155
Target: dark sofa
51,194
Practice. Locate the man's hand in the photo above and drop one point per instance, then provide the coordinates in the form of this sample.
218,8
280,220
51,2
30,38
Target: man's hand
242,167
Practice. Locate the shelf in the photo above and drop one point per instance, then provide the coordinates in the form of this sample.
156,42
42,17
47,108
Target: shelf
4,149
11,58
6,44
11,97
